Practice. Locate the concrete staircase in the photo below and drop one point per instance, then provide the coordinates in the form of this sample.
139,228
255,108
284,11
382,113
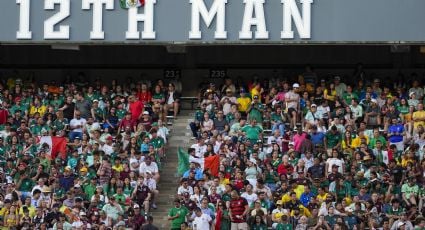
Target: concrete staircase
180,135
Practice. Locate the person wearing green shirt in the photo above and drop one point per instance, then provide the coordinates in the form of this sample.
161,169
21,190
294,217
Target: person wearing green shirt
177,215
89,188
121,111
56,102
255,110
333,139
113,209
410,191
349,95
252,131
375,138
284,224
120,197
18,107
156,142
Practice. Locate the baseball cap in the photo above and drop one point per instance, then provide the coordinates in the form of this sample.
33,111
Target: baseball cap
313,105
296,85
136,206
337,78
255,97
400,224
146,113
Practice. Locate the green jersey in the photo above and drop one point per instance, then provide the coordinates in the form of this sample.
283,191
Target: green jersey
181,212
252,132
349,96
282,226
121,113
157,142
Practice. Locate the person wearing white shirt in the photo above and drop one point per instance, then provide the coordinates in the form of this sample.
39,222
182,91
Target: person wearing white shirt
249,195
136,161
184,188
201,221
148,165
77,125
200,148
108,147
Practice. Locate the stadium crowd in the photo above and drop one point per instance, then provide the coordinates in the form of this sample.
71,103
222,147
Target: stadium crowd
79,155
306,153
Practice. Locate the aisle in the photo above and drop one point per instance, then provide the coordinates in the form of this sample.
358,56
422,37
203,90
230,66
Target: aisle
179,137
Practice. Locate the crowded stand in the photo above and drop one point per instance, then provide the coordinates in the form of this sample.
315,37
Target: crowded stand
82,155
307,152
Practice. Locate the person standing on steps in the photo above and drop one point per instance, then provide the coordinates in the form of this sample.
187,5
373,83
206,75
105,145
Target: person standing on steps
149,225
177,215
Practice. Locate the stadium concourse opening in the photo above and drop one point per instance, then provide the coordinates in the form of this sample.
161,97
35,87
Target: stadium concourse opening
212,136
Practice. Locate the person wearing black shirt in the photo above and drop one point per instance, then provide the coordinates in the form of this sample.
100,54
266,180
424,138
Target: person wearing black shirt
68,108
53,216
294,203
317,170
150,225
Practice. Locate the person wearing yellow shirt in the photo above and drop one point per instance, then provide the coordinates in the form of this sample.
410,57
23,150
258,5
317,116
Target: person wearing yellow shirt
30,208
118,167
37,107
243,102
358,140
303,211
419,116
257,91
4,211
321,195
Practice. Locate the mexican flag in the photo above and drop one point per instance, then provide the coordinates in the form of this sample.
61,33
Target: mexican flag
212,163
125,4
183,162
55,146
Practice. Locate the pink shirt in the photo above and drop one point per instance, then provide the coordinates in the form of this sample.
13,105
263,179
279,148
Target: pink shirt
298,140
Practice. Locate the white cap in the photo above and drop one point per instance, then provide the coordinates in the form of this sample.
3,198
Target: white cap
411,93
400,224
374,101
146,113
349,209
296,85
313,105
136,206
83,214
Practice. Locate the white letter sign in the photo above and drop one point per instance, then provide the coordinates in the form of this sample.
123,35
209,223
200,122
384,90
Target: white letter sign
290,10
147,18
49,24
251,7
97,29
200,10
24,20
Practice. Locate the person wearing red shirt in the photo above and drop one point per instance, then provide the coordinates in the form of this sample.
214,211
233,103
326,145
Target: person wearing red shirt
127,123
144,94
136,108
238,211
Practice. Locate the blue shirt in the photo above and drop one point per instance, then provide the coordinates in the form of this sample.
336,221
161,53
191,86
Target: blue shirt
317,138
393,129
305,198
144,148
198,174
